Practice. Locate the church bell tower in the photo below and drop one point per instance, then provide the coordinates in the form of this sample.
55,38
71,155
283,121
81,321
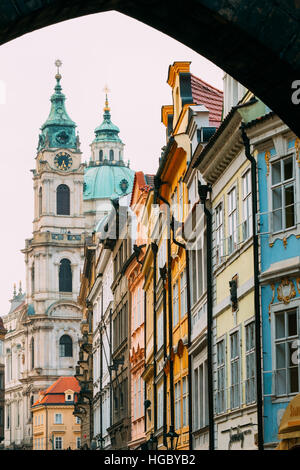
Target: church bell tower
54,254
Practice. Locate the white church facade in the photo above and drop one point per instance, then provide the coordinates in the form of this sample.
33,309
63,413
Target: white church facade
70,198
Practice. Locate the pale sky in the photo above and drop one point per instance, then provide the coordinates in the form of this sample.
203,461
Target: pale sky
105,48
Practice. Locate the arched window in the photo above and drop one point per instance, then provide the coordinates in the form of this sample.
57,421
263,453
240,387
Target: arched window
65,346
65,276
111,154
101,155
40,201
63,200
32,352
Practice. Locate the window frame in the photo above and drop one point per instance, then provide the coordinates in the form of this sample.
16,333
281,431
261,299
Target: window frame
284,340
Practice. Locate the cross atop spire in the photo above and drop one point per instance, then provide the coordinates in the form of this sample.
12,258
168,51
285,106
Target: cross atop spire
58,63
106,90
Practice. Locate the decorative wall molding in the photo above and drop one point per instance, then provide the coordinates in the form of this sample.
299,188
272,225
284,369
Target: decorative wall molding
286,291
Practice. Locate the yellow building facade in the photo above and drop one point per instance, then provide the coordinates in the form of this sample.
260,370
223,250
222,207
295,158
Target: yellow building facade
54,425
224,166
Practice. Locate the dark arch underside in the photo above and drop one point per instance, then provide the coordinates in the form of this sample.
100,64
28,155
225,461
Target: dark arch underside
255,41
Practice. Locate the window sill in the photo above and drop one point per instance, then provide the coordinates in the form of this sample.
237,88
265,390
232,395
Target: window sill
283,234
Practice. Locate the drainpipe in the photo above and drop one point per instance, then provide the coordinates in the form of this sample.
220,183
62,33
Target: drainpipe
46,427
154,250
259,396
188,300
110,360
163,274
101,372
203,191
157,185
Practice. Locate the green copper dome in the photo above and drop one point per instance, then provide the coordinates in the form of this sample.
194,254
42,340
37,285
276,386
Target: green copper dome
107,181
59,129
107,131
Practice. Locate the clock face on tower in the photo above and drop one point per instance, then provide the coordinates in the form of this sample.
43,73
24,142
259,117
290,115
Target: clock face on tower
63,161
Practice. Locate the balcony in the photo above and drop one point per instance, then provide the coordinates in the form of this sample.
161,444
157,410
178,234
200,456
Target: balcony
279,222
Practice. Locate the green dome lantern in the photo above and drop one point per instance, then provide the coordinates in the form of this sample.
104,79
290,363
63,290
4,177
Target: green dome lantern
107,131
59,129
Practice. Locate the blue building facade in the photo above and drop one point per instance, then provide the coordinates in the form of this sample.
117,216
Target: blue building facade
278,225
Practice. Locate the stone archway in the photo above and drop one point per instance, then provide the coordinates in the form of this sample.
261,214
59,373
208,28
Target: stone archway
255,41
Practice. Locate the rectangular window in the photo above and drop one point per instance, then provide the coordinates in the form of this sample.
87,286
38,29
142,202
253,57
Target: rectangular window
160,392
220,405
160,330
134,399
175,304
177,405
235,370
286,367
247,206
58,418
200,272
193,276
196,413
139,405
283,194
183,293
58,443
219,233
232,221
181,206
185,418
78,442
250,363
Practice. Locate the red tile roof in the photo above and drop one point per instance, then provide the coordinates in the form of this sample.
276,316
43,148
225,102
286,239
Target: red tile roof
2,329
55,393
210,97
144,181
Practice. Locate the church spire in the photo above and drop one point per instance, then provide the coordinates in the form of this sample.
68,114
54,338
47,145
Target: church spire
107,131
59,129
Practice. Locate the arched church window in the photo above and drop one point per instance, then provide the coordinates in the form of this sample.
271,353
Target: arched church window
111,155
65,276
40,201
65,346
101,155
32,352
63,200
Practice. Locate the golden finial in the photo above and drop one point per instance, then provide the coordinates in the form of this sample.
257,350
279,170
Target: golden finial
58,63
106,90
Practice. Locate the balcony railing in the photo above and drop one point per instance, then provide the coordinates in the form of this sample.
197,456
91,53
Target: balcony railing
278,220
230,244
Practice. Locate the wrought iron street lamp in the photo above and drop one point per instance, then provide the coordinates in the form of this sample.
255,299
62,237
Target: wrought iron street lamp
153,442
172,436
